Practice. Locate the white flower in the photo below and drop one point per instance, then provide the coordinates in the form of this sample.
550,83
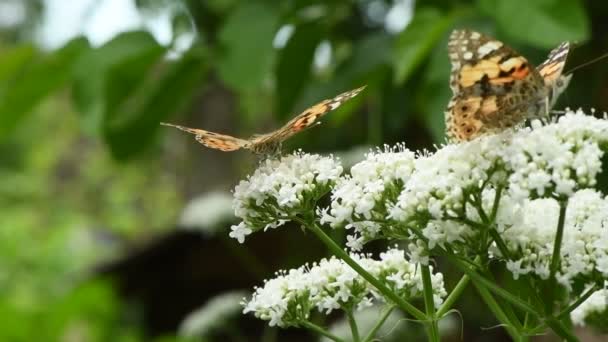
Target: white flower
331,284
279,187
529,229
360,198
213,315
596,304
206,213
239,232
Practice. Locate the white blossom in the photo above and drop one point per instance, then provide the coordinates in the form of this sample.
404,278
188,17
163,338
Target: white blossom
331,284
280,187
528,229
360,198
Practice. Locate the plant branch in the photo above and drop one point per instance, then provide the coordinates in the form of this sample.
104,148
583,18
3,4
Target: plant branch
380,286
385,313
429,303
321,331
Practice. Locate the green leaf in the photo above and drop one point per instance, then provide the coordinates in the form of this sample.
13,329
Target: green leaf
35,81
294,65
434,93
135,51
13,60
414,44
131,126
543,23
247,41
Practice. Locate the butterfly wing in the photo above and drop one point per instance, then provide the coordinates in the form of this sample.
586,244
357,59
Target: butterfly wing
552,68
308,117
214,140
493,86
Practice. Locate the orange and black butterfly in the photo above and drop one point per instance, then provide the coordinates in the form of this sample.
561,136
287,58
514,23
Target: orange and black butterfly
270,143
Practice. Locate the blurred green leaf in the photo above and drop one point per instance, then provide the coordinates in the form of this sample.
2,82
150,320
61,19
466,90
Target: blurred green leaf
434,93
543,23
137,119
36,81
294,65
247,41
138,47
13,60
417,40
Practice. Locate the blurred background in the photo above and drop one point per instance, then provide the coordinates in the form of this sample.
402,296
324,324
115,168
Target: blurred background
115,228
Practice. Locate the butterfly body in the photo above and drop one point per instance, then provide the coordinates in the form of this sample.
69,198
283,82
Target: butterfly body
495,88
270,143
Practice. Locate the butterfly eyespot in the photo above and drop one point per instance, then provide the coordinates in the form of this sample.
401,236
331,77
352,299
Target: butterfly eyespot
464,108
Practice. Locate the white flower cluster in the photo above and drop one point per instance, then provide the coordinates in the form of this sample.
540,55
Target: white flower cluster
331,284
438,195
282,187
528,229
359,199
595,305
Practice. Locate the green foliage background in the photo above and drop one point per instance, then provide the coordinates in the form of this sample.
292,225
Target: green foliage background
87,172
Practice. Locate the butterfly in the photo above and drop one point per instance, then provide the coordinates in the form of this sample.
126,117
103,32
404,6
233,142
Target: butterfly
496,88
270,143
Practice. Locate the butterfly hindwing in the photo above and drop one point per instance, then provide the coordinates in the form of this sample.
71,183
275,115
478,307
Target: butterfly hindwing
213,140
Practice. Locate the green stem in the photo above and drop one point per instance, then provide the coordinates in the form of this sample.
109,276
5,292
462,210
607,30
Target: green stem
480,280
429,303
354,329
380,286
453,296
497,311
372,333
557,245
578,302
319,330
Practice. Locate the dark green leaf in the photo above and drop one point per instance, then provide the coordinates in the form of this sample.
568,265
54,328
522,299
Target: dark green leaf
136,50
434,93
247,41
417,40
543,23
134,122
294,65
36,81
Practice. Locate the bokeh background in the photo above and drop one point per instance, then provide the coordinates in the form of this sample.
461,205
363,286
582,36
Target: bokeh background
113,228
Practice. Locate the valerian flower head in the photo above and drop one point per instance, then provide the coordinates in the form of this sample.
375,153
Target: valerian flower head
280,188
330,284
528,230
448,196
359,199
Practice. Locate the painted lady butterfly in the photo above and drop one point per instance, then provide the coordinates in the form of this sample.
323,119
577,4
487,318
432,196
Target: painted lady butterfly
496,88
270,143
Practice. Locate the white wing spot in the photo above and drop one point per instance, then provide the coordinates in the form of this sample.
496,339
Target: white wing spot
488,47
475,35
467,55
334,105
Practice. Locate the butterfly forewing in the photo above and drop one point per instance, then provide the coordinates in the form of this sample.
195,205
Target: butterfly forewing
311,115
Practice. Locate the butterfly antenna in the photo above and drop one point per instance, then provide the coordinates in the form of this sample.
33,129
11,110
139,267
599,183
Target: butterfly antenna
587,63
